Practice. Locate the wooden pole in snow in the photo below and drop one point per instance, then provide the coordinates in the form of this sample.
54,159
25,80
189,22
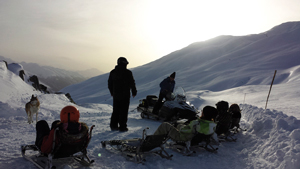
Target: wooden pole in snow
270,89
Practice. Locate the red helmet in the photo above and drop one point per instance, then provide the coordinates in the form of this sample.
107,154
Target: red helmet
69,114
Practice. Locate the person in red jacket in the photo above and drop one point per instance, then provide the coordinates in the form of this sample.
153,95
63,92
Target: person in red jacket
69,123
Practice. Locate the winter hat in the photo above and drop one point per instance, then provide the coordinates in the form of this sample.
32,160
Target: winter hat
122,61
234,108
222,106
173,75
210,112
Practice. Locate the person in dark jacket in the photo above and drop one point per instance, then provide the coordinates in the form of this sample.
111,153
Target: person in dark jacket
166,87
223,119
120,82
235,111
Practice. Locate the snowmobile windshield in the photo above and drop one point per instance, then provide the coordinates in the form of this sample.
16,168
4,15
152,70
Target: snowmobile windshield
179,94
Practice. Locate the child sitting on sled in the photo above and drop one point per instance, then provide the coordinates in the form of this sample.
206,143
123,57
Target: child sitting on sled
69,129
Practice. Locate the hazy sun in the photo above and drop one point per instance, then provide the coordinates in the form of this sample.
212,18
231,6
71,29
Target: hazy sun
176,24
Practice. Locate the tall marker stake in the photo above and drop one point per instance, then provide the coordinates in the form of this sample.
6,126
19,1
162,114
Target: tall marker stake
270,89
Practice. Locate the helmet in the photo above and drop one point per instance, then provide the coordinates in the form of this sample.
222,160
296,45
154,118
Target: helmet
69,114
122,61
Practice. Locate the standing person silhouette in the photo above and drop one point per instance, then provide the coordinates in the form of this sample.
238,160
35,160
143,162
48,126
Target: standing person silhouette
120,82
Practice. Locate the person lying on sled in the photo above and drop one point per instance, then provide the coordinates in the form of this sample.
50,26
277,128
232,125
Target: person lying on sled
69,126
204,125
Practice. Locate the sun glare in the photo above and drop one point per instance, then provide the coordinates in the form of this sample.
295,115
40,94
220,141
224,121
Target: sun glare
178,24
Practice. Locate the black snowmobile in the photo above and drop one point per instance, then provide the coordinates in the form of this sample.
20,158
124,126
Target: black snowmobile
175,108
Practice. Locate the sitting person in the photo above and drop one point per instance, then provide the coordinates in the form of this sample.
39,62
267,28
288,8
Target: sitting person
235,110
223,119
204,125
69,126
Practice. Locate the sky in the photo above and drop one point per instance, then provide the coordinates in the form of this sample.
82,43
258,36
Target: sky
78,35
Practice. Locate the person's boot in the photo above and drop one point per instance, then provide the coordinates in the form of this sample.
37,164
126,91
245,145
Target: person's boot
123,129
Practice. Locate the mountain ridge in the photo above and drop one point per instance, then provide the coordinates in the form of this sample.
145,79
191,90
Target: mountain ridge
244,60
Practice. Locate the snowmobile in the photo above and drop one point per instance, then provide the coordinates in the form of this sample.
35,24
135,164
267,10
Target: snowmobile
175,108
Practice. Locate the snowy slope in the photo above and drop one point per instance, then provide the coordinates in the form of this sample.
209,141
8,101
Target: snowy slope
272,139
220,64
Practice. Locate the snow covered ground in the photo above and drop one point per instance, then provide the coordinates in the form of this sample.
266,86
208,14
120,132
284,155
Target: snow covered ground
271,141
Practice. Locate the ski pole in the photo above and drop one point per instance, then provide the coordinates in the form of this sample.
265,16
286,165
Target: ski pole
270,89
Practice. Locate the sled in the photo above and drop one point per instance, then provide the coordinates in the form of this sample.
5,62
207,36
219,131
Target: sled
137,148
236,130
230,136
60,154
174,109
199,141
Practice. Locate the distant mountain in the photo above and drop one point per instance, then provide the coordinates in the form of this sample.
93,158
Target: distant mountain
6,59
90,72
57,78
54,78
242,60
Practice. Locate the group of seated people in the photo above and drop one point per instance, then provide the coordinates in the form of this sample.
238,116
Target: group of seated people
212,121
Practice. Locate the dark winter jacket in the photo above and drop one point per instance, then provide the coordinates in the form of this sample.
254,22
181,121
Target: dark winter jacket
224,120
236,117
66,128
120,82
167,86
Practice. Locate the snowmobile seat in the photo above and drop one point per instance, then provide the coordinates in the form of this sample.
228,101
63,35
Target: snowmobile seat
137,148
64,146
151,100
